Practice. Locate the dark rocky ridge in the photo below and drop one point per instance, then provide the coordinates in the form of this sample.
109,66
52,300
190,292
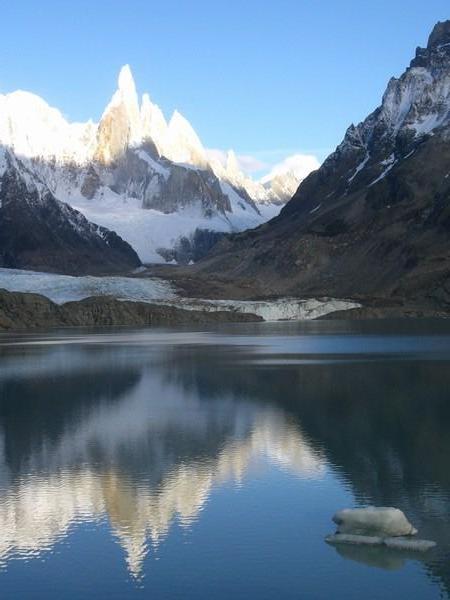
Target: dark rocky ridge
374,220
32,311
39,232
192,248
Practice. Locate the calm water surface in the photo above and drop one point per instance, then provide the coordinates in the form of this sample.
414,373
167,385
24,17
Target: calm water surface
208,464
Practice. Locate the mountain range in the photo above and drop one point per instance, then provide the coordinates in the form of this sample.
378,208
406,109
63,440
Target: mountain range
371,224
374,220
147,188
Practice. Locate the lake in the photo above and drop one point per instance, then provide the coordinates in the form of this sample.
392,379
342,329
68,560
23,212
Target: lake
208,463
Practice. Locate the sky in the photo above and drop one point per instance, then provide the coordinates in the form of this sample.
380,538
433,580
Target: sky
268,79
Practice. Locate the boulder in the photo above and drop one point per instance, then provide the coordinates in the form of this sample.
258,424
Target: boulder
373,521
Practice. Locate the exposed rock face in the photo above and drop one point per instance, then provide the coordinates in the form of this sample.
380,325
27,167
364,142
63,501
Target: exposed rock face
163,165
374,220
28,311
31,311
120,124
193,248
39,232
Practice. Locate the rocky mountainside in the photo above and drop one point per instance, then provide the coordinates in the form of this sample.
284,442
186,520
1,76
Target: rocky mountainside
374,220
37,231
150,181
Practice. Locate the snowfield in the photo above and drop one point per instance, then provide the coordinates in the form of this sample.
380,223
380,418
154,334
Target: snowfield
148,230
65,288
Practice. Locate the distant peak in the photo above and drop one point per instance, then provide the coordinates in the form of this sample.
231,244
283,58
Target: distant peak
146,100
181,126
440,35
177,119
232,162
126,80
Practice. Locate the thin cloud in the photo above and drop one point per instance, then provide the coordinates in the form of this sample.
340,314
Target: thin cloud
246,162
264,161
301,165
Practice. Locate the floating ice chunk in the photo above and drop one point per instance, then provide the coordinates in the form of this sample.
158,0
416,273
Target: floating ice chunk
284,309
394,543
404,543
361,540
377,521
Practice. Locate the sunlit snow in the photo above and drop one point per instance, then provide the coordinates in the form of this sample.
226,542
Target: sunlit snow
148,230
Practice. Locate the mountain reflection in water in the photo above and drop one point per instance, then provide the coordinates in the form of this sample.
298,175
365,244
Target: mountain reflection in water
134,444
139,430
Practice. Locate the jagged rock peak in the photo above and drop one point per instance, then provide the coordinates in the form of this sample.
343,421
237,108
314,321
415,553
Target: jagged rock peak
440,35
153,122
438,49
120,125
126,80
183,144
232,165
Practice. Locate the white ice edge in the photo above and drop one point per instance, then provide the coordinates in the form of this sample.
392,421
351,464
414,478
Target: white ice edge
283,309
66,288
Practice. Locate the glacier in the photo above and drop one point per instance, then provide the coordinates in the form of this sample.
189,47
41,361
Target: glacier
65,288
283,309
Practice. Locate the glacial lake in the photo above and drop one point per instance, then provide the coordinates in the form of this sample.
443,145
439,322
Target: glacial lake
199,464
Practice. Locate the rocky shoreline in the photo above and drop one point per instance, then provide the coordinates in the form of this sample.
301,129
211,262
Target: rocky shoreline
195,285
33,311
24,310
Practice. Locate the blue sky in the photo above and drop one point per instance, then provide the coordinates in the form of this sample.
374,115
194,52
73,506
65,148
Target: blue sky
268,79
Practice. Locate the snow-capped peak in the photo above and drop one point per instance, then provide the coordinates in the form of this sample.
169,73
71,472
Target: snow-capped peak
126,81
298,165
182,144
120,125
33,129
232,166
284,179
153,124
129,97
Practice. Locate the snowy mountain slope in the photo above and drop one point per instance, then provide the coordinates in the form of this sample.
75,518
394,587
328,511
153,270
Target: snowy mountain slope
39,232
374,220
284,179
150,181
414,108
